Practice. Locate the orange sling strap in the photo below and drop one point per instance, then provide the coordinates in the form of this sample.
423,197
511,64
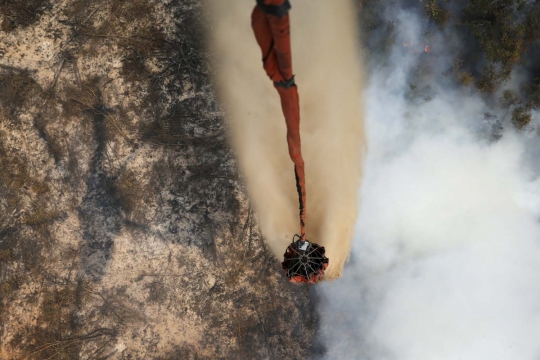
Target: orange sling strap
270,22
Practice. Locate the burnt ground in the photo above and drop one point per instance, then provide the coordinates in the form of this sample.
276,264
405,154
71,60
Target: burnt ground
125,231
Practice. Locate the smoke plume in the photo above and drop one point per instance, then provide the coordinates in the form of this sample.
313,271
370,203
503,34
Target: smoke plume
328,75
446,255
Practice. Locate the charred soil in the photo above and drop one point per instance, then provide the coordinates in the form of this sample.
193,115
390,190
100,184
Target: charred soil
125,231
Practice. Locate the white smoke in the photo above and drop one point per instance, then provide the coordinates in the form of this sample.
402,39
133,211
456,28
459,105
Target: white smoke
446,258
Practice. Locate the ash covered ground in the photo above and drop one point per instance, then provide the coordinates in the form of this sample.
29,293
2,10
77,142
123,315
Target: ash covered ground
125,231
